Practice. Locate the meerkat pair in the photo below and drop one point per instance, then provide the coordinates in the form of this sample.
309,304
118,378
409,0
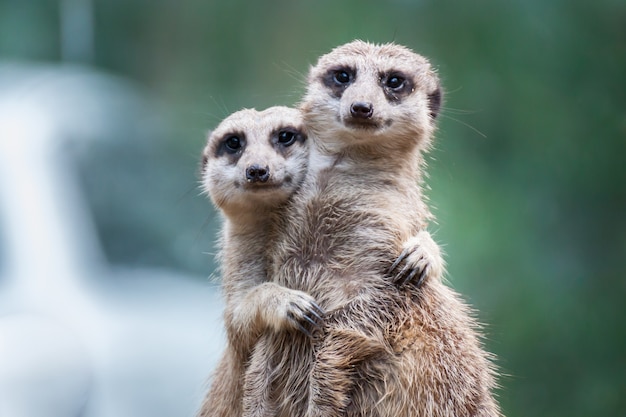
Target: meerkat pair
319,203
255,164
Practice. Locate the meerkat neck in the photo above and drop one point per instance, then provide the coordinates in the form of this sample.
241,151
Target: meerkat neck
246,227
247,221
368,159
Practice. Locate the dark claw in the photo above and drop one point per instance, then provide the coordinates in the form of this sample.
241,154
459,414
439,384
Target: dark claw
297,323
402,256
310,320
407,275
318,308
319,313
420,280
410,277
400,276
302,319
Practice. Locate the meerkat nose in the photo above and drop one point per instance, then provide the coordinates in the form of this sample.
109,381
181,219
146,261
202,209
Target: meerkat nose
256,173
361,110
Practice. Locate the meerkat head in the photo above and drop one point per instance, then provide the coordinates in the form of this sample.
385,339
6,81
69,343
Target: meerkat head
255,159
362,93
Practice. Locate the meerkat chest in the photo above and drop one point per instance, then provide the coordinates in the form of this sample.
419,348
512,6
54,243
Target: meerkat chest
337,231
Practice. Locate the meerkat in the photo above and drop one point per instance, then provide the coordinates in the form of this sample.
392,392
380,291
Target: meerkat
252,164
369,112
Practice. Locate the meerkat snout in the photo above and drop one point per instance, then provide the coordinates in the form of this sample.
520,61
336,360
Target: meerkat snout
256,173
361,110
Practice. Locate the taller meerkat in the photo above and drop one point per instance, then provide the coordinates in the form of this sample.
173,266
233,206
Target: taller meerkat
369,111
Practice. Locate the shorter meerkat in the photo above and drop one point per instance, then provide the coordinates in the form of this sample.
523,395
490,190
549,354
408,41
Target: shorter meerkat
253,163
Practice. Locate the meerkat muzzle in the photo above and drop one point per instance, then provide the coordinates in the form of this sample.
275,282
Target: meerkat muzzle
256,173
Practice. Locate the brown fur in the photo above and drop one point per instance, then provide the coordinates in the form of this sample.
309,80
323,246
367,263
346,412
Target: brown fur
382,352
252,304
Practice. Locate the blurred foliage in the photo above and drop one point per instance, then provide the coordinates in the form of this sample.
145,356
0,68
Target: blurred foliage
527,179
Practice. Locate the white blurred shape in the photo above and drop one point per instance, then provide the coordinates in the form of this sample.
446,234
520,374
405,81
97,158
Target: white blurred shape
41,204
35,350
78,338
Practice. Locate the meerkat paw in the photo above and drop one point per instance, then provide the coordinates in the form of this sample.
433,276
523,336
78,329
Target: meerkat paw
419,261
306,315
294,309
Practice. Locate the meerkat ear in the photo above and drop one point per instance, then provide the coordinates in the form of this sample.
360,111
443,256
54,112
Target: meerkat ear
434,101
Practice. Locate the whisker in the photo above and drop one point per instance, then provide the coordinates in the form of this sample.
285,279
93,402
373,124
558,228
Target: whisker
465,124
292,72
460,111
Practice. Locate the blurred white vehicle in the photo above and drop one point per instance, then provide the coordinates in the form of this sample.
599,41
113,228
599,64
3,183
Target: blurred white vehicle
78,337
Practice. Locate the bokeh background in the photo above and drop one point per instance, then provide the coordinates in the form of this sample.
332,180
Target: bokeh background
527,178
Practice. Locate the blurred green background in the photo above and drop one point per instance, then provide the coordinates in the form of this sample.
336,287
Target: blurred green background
528,179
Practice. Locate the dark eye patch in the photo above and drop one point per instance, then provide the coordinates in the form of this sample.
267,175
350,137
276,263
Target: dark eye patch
337,79
231,144
396,85
341,77
284,137
395,82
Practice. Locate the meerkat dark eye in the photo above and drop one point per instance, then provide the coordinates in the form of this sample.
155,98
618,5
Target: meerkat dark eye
338,80
341,77
232,143
396,86
395,82
286,137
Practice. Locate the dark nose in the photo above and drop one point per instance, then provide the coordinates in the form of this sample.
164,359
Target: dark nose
256,173
361,110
